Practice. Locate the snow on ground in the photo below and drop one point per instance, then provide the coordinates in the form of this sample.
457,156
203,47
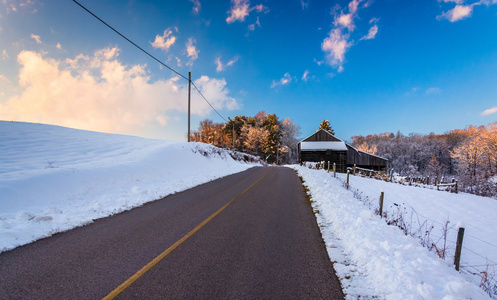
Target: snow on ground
374,260
53,178
477,215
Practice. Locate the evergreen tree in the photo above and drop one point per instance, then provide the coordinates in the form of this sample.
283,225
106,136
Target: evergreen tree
326,126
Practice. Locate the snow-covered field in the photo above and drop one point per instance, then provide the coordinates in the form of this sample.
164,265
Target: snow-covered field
374,259
53,178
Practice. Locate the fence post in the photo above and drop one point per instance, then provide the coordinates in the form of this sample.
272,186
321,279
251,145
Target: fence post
427,180
381,203
328,166
354,170
456,187
348,173
457,256
334,170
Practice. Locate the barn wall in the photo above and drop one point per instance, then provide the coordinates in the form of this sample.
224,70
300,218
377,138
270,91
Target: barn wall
365,160
337,157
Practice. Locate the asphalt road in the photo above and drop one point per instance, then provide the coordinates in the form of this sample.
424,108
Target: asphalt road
265,244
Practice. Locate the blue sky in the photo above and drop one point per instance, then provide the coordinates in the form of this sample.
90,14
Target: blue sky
367,66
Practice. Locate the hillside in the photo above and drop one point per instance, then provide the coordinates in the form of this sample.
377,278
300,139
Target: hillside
53,178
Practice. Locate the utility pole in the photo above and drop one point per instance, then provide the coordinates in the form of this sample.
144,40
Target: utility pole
189,88
277,154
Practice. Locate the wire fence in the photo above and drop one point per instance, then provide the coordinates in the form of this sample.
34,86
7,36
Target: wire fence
485,271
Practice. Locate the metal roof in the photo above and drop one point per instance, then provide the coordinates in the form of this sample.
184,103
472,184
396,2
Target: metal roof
323,146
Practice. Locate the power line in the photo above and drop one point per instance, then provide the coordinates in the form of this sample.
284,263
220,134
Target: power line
153,57
208,102
160,62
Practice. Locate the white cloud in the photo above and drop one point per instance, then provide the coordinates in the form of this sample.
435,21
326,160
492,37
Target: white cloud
412,91
14,5
335,46
5,55
318,62
338,41
99,93
457,13
36,38
196,6
371,33
305,4
216,92
305,76
219,64
433,90
178,61
191,50
58,46
345,20
287,78
455,1
489,111
165,41
240,9
260,8
461,10
3,78
354,5
251,27
221,67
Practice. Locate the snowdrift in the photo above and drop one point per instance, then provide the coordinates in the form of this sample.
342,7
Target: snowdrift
377,261
53,178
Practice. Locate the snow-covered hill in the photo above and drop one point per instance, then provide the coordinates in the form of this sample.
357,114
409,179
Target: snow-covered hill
376,260
53,178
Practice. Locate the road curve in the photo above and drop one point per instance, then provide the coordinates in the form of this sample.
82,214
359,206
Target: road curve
264,245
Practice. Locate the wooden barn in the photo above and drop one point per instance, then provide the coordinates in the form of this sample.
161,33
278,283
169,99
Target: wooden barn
323,146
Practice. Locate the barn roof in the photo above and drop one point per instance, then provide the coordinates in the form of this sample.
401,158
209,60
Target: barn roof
323,146
365,153
321,136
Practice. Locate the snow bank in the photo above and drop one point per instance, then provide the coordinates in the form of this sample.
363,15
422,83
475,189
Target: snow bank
53,178
373,259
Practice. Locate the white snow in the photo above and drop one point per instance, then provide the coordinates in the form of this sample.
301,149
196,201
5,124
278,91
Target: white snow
53,178
323,146
375,260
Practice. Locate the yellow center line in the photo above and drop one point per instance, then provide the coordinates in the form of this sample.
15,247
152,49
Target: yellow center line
161,256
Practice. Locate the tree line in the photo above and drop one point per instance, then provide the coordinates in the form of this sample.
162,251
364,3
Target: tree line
263,135
468,154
